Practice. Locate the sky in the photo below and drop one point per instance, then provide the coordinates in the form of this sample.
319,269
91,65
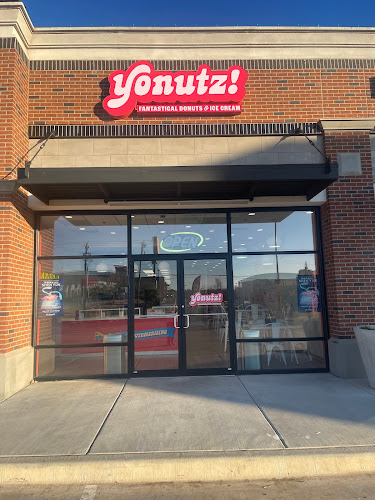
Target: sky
201,13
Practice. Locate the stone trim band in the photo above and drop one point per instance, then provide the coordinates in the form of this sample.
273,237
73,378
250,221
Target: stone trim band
188,65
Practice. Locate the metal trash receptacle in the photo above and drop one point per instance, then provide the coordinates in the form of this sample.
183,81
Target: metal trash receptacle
114,357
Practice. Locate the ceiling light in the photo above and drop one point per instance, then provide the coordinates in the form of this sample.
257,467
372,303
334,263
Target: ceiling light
225,241
250,238
310,212
187,227
211,230
268,263
259,229
221,247
273,246
132,216
135,227
204,245
82,229
242,244
112,232
68,217
207,239
160,222
251,213
242,257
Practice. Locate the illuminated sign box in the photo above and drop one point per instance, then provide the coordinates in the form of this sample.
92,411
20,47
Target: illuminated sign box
188,92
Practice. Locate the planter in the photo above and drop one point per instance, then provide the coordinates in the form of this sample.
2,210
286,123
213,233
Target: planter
365,336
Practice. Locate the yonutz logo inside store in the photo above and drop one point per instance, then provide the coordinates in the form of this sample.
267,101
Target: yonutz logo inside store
191,92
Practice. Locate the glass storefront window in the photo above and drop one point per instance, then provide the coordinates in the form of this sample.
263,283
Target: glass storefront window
182,307
156,310
81,361
206,314
179,233
273,231
281,355
82,301
73,235
277,295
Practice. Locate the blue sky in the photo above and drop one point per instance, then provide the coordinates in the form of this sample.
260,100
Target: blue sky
201,13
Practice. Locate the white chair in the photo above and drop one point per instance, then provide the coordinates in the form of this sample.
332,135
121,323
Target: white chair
270,346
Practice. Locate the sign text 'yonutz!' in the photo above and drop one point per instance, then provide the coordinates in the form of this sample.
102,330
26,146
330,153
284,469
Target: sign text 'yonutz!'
140,83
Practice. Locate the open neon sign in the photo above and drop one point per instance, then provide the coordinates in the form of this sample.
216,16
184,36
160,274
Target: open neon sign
140,83
183,241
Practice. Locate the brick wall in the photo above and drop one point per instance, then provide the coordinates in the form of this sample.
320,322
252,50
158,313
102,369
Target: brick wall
16,220
348,221
273,95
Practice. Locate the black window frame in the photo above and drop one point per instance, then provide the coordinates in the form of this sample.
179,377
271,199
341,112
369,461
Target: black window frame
228,255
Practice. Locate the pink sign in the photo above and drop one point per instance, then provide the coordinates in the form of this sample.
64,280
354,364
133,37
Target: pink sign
206,300
189,109
141,84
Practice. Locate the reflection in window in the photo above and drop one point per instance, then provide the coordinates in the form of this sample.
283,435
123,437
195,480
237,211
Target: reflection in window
155,323
277,295
82,301
273,231
206,314
179,233
81,361
76,234
281,355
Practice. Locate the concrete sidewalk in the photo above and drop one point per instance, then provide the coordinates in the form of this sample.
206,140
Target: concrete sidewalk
258,426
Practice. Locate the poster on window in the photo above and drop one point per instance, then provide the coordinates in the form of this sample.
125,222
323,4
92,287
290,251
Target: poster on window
308,293
50,298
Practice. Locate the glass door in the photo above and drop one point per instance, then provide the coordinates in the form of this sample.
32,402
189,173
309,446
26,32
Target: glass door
205,325
156,315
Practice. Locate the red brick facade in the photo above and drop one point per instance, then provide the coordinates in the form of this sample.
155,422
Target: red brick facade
348,221
273,95
17,233
67,97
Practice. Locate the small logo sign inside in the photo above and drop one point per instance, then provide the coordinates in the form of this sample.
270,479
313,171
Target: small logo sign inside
214,299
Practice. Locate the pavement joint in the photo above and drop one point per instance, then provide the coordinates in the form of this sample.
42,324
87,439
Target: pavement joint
367,391
106,417
265,416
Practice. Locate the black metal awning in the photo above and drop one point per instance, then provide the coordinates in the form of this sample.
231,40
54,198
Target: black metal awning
212,182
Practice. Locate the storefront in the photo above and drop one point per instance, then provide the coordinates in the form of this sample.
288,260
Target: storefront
184,201
179,293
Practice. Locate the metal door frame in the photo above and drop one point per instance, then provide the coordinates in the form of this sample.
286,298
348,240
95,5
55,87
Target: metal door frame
182,370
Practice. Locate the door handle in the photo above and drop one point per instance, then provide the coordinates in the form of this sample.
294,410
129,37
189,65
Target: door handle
175,322
188,321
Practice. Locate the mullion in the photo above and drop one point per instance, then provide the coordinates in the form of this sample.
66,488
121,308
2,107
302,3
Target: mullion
73,346
259,340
